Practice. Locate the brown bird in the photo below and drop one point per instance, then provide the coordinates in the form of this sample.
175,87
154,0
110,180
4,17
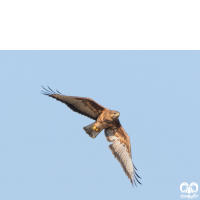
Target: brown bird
104,119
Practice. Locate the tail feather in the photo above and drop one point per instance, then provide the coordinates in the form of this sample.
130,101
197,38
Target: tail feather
92,133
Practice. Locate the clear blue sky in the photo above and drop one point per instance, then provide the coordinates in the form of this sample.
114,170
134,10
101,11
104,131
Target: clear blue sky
45,153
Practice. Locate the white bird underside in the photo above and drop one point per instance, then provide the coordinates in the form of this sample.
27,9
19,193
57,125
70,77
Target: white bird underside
120,151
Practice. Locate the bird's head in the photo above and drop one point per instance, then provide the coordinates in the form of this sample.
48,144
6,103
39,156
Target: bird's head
115,114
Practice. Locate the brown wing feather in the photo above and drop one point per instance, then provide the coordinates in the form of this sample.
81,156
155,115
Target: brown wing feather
121,149
82,105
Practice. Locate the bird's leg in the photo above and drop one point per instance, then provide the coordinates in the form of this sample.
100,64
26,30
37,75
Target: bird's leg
95,128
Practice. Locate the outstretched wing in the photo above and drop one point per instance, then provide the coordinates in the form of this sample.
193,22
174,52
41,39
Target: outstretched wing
82,105
121,149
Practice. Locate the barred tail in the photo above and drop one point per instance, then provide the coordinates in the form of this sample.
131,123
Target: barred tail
92,133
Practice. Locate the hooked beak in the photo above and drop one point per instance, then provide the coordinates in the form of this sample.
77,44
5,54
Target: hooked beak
117,114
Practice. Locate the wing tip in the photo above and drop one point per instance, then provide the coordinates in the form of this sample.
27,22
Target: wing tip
49,91
135,180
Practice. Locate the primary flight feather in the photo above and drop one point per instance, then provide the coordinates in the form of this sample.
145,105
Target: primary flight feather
104,119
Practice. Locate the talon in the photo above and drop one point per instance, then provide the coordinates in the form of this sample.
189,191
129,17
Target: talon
95,128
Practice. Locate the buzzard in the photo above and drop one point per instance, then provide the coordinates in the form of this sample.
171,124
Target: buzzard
104,119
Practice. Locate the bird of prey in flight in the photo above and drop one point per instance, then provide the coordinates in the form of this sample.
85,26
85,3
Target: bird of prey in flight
104,119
